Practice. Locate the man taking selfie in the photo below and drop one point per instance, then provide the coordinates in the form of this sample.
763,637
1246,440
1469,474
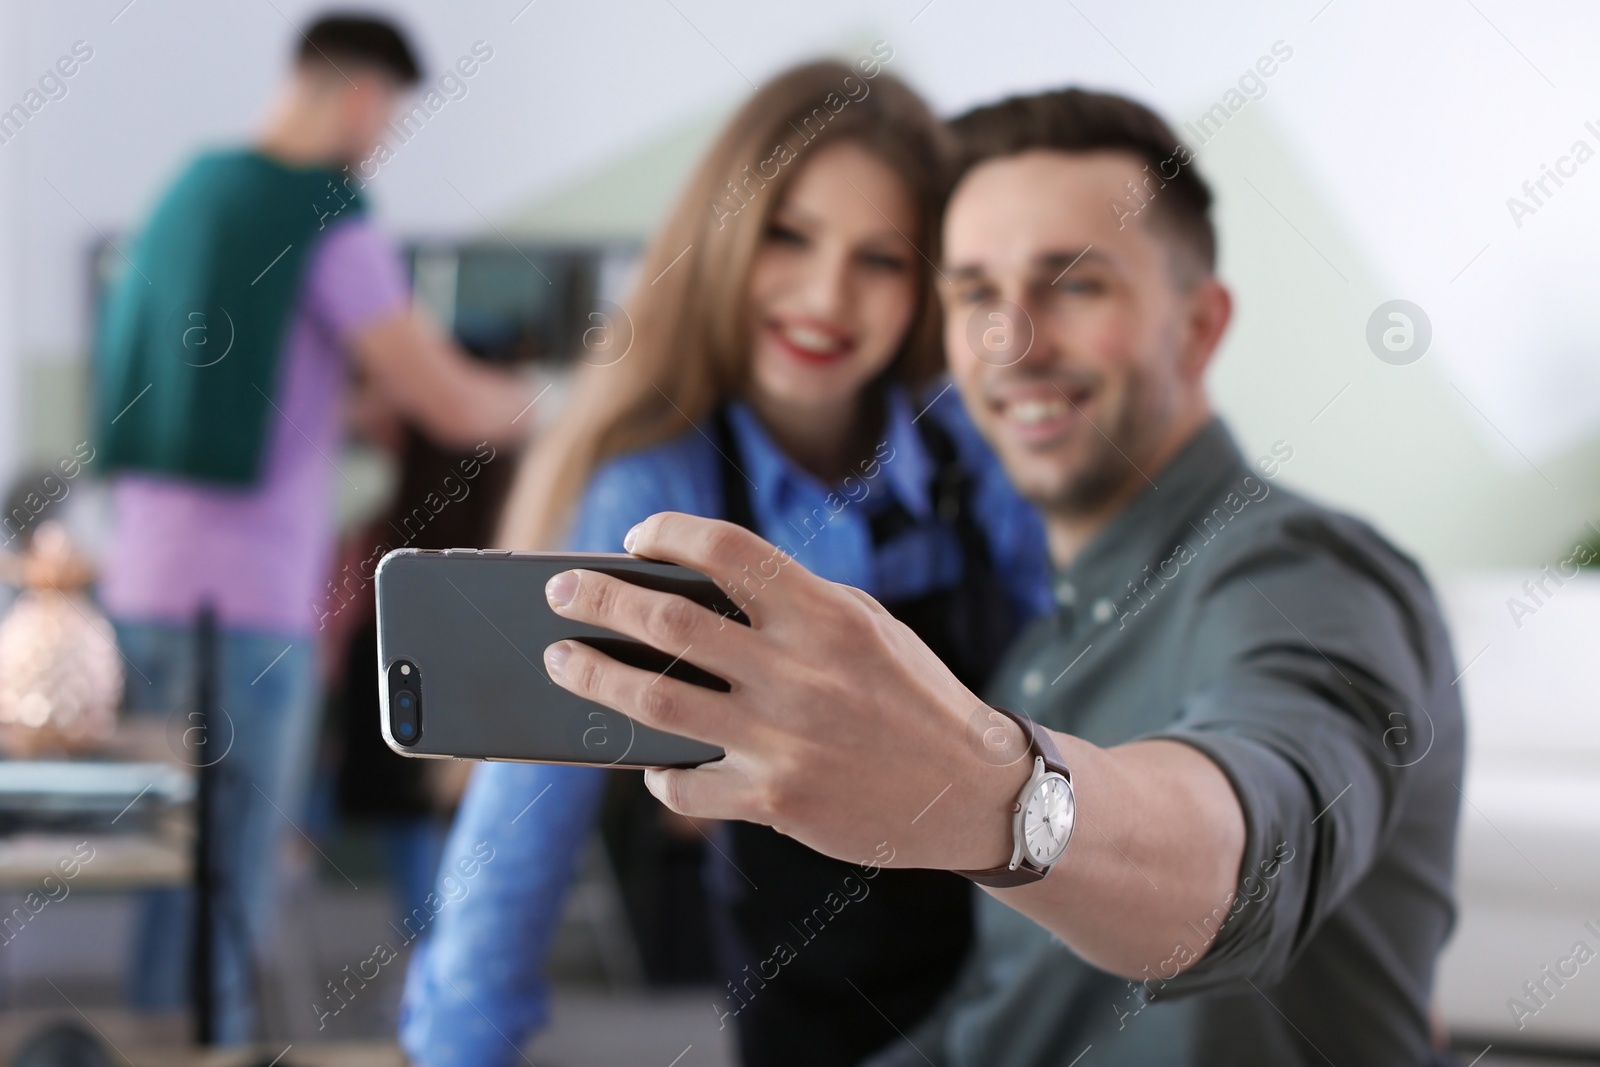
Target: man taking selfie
1229,837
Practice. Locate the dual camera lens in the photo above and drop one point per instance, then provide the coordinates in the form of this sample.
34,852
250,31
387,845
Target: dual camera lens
405,702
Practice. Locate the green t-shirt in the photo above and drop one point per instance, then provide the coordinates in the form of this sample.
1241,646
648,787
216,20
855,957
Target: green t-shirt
187,353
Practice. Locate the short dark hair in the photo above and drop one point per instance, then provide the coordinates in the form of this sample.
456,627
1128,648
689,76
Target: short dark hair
1078,120
361,40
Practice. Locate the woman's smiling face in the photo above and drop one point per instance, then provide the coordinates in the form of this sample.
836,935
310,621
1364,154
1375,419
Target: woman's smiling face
833,288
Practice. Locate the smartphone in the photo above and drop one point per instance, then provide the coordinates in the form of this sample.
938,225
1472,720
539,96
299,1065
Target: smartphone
461,640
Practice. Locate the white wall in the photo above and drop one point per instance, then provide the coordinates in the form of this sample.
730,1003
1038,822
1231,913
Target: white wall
10,249
1376,165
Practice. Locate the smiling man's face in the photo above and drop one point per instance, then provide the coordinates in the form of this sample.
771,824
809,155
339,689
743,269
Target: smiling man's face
1077,340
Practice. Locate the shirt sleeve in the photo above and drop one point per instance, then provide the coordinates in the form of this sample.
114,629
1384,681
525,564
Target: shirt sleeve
1312,665
628,490
475,987
355,278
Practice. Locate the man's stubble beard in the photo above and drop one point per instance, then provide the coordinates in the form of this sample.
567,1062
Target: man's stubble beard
1113,458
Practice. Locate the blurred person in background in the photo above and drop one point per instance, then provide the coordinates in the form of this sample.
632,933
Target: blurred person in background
257,284
785,374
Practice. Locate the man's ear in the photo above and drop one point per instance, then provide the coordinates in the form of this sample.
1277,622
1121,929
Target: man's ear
1209,312
364,91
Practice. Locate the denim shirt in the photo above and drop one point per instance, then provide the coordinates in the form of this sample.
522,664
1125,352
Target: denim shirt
475,986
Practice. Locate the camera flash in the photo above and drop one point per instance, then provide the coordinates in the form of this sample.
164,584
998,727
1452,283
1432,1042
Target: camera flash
405,668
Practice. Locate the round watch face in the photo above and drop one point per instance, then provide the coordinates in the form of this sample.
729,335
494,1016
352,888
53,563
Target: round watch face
1047,820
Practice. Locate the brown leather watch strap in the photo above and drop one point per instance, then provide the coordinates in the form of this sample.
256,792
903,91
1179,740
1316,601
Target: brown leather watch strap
1004,877
1040,746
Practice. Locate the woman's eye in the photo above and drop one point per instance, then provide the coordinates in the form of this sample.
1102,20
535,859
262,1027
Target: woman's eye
883,262
784,235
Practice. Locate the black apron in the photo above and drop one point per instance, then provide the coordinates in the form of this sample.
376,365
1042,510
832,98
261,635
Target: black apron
862,959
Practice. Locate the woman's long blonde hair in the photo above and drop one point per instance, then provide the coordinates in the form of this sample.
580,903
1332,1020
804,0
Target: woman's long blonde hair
691,335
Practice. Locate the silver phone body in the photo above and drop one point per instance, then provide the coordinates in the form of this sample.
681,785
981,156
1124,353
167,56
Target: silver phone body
472,626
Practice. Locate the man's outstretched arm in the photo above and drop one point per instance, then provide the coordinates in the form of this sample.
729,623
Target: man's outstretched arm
456,400
843,731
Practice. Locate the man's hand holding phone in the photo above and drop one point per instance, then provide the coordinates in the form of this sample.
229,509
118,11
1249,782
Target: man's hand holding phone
841,728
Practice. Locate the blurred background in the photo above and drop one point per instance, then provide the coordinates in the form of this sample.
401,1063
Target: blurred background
1396,154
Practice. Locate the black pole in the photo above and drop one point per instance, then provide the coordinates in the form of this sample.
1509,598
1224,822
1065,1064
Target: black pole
205,704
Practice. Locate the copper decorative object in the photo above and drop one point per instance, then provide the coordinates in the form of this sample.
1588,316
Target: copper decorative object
60,672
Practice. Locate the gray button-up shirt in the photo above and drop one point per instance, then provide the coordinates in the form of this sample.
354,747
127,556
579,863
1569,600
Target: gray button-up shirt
1306,656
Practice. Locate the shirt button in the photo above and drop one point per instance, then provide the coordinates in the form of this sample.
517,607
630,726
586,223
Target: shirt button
1032,682
1066,594
1103,610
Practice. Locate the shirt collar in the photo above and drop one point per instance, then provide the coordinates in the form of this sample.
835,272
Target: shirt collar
1201,469
904,467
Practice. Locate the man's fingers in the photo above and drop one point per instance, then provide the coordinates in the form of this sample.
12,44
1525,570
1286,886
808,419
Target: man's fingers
647,697
743,564
664,621
714,791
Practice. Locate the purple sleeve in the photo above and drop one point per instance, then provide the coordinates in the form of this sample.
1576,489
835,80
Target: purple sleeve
355,277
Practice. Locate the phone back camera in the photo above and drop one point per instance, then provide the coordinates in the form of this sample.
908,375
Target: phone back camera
405,702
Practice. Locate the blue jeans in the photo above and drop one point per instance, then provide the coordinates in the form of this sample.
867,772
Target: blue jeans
260,748
475,986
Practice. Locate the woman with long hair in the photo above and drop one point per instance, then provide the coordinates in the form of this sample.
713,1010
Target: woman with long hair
783,373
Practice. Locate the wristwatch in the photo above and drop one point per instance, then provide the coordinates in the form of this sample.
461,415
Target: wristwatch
1042,815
